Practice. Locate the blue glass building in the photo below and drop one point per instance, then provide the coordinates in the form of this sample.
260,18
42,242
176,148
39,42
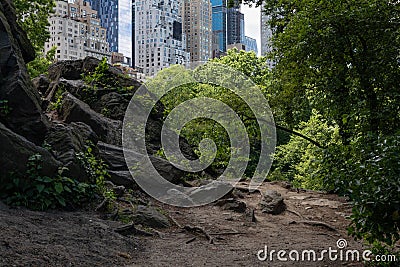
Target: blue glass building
235,26
116,17
219,17
250,44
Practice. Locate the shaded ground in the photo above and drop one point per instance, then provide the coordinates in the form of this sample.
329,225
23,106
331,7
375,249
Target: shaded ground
82,239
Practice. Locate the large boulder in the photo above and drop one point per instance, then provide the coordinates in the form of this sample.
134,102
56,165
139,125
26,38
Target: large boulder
74,110
66,141
113,156
16,90
15,152
74,69
151,217
113,105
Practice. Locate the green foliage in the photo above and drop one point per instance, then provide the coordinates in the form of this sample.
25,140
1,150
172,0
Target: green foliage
300,161
38,192
59,97
33,17
201,128
97,172
99,76
340,58
4,108
41,63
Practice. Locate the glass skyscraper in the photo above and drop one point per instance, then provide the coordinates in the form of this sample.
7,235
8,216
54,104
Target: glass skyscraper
219,17
116,17
235,25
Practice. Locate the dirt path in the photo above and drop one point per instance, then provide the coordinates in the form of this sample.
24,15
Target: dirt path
82,239
278,232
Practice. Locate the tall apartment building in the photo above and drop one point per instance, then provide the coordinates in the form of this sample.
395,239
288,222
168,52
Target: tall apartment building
250,44
235,25
219,23
197,25
75,30
158,39
116,17
266,34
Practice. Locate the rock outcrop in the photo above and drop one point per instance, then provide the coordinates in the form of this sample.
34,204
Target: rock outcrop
15,152
61,112
25,116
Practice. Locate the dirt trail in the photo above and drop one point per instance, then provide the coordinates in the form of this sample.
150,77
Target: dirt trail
82,239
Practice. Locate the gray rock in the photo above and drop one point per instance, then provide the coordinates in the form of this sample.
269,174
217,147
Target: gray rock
41,84
119,190
74,110
272,202
26,117
207,193
123,178
68,140
72,69
149,216
112,105
114,157
232,204
177,198
15,152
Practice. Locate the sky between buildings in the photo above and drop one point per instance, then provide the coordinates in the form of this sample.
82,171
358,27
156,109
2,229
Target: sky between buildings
252,23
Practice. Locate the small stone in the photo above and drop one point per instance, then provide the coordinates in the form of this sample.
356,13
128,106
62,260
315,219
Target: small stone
272,202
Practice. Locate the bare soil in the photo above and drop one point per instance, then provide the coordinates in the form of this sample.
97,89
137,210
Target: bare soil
312,221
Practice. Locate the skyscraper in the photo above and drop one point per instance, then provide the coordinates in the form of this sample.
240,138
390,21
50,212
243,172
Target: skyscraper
266,34
235,25
158,39
219,22
76,32
197,24
116,17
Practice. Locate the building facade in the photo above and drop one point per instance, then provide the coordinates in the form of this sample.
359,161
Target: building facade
266,34
76,32
116,17
235,25
219,23
158,39
251,44
197,25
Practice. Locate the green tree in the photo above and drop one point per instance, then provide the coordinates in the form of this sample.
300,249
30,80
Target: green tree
41,63
33,18
341,58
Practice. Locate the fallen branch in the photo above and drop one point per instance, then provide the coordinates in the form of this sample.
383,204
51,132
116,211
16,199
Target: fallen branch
295,212
191,240
174,221
197,229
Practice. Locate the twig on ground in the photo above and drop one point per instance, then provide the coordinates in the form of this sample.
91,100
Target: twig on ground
197,229
295,212
191,240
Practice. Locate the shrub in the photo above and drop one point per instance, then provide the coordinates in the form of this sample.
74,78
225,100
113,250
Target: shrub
38,192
